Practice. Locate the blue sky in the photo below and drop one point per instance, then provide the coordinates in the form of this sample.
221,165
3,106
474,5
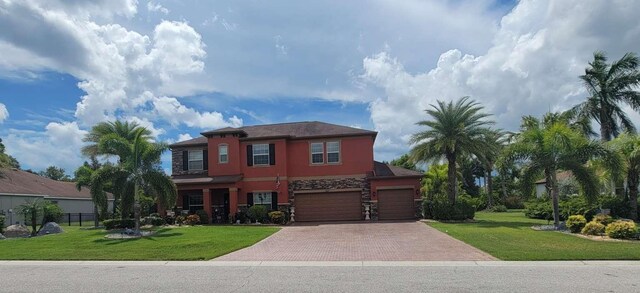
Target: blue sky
183,67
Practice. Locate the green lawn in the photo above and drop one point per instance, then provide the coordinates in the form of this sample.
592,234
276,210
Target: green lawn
508,236
185,243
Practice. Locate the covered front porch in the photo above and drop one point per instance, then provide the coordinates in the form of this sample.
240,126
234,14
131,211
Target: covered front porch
218,203
218,199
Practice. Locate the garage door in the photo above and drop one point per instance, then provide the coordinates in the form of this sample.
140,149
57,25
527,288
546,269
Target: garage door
330,206
396,204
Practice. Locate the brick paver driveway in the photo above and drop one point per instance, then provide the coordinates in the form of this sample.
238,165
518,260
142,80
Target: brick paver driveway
397,241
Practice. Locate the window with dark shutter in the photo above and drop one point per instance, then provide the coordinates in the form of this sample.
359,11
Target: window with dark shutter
274,201
185,160
249,199
249,155
205,160
272,154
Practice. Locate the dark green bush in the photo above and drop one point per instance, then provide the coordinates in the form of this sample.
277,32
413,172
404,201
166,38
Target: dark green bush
539,209
593,228
514,202
277,217
2,219
52,213
242,216
441,209
575,223
111,224
542,208
204,217
578,205
170,220
257,213
498,209
622,230
617,206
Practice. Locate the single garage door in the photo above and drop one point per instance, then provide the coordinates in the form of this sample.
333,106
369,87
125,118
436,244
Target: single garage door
395,204
329,206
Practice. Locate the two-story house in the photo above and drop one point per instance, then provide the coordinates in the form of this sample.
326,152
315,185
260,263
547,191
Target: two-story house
317,171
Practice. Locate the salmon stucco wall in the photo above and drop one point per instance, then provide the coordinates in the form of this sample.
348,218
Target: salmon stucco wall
356,157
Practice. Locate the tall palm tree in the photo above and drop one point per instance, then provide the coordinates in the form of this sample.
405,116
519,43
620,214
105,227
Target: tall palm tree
454,129
550,146
628,146
138,170
495,140
609,86
126,130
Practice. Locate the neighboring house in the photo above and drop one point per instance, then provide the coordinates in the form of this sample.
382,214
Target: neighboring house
541,185
316,171
17,186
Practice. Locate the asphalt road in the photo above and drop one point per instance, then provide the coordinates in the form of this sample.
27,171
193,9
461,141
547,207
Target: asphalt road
319,277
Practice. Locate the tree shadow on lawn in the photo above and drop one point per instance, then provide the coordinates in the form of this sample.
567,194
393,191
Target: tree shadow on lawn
162,233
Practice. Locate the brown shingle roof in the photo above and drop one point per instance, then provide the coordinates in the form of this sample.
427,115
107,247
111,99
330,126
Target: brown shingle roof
286,130
191,142
294,130
20,182
385,170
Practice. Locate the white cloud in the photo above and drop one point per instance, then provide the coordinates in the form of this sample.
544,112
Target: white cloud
184,136
532,67
4,113
156,7
144,122
58,145
175,113
121,71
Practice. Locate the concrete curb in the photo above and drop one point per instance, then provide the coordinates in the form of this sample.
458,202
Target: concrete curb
323,263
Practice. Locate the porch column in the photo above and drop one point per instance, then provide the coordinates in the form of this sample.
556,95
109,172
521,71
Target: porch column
206,203
233,200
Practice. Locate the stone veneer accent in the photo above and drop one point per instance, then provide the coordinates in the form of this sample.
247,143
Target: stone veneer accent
176,162
337,184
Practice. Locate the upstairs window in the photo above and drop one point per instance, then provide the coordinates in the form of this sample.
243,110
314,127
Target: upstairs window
196,160
223,154
261,154
317,153
333,152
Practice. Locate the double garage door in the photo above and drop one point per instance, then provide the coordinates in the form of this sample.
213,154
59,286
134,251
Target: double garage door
329,206
396,204
393,204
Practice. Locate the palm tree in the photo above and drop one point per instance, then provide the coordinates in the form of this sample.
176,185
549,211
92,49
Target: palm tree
495,140
628,146
138,170
550,146
609,86
32,209
126,130
454,129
